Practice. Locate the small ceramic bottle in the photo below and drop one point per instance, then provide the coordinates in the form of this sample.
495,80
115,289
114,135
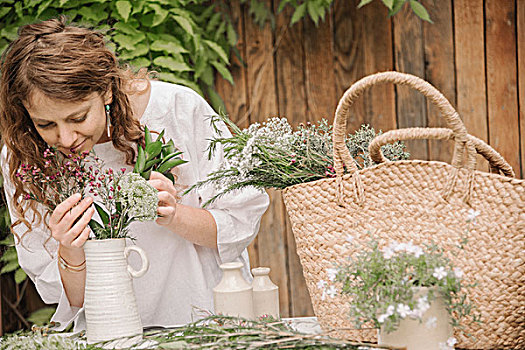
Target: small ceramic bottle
265,294
233,295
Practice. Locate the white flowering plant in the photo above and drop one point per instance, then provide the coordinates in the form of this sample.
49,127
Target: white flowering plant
124,198
383,284
273,155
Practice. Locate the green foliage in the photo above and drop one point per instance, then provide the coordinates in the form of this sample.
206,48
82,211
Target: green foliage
185,41
395,5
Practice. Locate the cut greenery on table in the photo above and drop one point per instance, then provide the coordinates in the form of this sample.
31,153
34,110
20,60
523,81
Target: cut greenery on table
212,332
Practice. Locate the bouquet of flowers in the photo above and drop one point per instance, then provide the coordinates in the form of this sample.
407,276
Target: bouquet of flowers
273,155
123,198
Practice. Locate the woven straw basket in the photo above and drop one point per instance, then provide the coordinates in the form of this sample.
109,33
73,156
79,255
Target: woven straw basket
423,202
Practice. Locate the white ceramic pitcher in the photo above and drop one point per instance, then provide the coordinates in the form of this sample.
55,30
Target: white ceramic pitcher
109,300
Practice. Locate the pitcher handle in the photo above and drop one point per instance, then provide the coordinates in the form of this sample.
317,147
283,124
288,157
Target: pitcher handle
143,257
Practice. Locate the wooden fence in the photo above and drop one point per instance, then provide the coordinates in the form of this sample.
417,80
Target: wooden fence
473,52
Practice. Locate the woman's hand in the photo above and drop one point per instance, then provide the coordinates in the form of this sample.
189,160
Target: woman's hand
167,198
69,225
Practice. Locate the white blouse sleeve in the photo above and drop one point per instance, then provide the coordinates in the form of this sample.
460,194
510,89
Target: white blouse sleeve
237,214
37,257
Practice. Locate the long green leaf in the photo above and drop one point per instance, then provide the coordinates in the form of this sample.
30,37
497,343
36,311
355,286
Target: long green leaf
104,216
153,149
218,49
420,10
170,164
141,161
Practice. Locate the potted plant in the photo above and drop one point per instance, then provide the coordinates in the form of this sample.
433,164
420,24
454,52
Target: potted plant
413,295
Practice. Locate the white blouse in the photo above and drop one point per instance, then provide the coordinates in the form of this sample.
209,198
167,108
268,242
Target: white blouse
181,274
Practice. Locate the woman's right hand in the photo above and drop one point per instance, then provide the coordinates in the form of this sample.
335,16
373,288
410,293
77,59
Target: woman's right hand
69,225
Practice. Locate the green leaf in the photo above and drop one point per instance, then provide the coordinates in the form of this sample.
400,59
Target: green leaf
141,161
146,174
20,276
363,3
41,316
223,71
169,47
184,23
95,226
231,35
170,176
152,150
151,163
168,148
388,3
104,216
92,14
126,41
9,255
312,11
218,49
140,62
398,5
171,155
43,6
10,267
172,64
126,28
299,13
160,14
140,50
161,135
420,10
147,136
123,9
10,33
4,11
168,165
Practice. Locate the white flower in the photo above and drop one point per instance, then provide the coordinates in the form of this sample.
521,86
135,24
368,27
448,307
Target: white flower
381,318
403,310
449,345
439,273
472,215
322,284
451,341
332,273
388,253
458,273
349,238
431,323
331,292
138,197
390,310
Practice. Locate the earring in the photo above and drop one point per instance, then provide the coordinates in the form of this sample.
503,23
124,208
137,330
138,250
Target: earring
108,121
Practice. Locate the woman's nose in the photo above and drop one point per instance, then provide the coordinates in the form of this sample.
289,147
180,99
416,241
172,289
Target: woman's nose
66,136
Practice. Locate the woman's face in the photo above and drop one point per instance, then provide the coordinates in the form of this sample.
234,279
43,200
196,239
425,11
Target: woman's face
69,126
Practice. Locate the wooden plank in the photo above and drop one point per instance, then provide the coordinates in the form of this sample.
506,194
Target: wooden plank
234,96
409,58
320,89
349,67
289,58
521,78
261,81
440,72
380,102
500,28
470,69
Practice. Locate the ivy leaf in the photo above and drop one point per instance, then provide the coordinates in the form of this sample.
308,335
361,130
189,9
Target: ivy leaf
184,23
299,13
420,10
218,49
168,47
363,3
389,3
123,9
20,276
223,71
172,64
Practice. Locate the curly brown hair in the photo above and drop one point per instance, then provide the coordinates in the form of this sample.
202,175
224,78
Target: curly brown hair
64,62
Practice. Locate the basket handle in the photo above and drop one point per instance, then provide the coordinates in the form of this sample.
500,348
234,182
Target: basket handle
497,162
342,155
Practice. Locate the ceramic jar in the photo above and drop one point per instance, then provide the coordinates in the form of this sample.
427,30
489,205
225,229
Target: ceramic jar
233,295
265,294
109,300
435,328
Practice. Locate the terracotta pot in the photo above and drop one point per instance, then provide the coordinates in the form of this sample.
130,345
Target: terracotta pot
109,300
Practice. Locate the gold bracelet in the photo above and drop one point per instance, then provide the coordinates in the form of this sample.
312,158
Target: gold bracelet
68,267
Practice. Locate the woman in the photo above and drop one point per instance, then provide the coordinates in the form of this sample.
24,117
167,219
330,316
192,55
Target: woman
62,87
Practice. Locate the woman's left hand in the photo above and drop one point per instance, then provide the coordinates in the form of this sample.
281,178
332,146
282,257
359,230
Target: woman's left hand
167,198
